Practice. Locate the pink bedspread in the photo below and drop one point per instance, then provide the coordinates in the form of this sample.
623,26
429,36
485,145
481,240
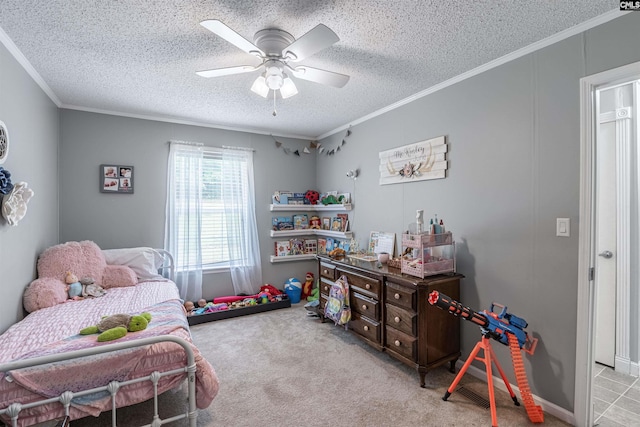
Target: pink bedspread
55,329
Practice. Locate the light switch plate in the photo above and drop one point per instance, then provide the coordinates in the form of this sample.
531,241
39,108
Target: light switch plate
563,227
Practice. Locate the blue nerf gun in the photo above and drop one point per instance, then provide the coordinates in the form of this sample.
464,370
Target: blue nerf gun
494,325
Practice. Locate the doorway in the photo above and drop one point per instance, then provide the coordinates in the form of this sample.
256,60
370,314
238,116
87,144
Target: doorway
609,151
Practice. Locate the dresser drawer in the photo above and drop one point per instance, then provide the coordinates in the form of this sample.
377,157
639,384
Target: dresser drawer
401,319
366,306
365,285
366,327
400,296
328,271
325,286
401,343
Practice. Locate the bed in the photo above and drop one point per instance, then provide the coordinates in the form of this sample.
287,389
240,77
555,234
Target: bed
107,375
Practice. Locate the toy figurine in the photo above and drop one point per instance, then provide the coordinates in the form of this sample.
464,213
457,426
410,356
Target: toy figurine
308,286
315,223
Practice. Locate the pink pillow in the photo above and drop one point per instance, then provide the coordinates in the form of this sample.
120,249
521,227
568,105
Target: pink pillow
118,276
84,259
43,293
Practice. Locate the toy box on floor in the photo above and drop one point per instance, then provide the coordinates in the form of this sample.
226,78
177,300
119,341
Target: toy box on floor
269,298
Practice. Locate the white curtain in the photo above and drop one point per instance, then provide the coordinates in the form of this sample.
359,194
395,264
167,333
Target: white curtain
183,223
240,220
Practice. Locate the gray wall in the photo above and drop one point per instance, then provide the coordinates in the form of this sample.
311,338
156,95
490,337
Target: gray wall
514,149
32,121
122,220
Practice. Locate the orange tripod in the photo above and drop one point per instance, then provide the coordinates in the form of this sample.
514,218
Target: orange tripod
489,357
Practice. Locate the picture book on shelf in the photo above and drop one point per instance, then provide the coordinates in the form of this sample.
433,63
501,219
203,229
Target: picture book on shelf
345,221
297,247
310,246
280,223
300,222
322,246
336,224
283,247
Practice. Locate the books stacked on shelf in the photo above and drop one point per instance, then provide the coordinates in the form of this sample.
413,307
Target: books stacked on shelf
300,222
328,244
289,198
285,197
296,246
280,223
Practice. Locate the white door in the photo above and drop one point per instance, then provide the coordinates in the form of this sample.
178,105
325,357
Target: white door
627,297
605,267
613,224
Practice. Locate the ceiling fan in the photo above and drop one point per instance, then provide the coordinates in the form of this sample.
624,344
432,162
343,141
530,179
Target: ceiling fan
277,49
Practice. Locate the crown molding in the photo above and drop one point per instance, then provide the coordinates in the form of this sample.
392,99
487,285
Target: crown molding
182,122
22,60
562,35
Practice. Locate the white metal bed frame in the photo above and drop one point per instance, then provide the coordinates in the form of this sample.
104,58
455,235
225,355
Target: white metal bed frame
113,387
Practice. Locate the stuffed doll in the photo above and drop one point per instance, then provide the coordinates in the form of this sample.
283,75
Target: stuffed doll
308,286
74,288
189,306
117,326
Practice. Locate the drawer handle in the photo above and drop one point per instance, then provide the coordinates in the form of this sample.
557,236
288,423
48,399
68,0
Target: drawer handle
326,288
366,328
368,286
325,271
397,296
397,343
396,319
364,306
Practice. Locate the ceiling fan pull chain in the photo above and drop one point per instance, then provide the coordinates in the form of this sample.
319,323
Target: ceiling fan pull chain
275,113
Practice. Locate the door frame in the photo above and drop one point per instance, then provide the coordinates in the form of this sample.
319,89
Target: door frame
583,407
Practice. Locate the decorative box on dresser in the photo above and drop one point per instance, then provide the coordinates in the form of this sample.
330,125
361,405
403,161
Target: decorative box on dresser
390,311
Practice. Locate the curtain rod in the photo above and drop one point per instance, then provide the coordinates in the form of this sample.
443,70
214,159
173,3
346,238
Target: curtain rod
239,148
197,144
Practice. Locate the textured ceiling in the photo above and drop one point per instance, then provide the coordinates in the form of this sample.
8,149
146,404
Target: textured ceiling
140,57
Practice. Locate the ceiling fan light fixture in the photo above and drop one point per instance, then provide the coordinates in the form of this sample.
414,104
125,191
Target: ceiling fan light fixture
260,87
274,76
288,88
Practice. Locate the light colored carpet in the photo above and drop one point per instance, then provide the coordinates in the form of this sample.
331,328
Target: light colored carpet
282,368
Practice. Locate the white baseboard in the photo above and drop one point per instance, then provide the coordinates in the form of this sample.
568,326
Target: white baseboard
548,407
625,366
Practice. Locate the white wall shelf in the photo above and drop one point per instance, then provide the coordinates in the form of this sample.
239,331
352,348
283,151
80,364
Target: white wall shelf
310,208
312,232
288,258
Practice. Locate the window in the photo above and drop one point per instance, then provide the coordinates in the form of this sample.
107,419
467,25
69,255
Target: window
217,250
216,247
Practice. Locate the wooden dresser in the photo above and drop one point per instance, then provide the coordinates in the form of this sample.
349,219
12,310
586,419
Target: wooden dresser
390,311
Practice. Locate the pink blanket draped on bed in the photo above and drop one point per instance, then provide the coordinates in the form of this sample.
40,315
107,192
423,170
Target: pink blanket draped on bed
26,384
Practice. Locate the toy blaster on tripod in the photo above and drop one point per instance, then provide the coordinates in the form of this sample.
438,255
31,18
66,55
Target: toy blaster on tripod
494,325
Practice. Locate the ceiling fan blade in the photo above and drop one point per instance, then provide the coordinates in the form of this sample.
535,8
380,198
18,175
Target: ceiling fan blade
320,76
318,38
221,30
227,71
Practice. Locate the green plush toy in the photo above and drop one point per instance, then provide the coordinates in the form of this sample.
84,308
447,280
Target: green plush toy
116,326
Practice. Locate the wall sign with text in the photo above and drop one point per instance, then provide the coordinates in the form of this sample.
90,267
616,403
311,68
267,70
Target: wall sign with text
414,162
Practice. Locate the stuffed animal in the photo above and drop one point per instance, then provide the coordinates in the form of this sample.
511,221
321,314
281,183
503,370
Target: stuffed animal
90,289
312,196
308,285
74,288
117,325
